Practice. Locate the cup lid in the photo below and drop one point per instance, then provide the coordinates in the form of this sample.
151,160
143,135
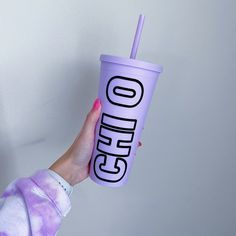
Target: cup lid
131,62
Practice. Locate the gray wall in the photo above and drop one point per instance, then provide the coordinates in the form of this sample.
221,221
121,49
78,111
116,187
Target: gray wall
183,179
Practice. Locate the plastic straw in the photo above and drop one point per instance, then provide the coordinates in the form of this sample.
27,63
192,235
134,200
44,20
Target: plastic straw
137,36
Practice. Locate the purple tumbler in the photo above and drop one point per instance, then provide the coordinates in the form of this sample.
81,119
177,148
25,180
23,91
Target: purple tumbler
125,90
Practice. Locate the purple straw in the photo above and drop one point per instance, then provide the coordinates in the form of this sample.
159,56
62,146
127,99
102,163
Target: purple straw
137,36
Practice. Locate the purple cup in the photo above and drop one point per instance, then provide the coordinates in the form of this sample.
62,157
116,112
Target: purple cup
125,90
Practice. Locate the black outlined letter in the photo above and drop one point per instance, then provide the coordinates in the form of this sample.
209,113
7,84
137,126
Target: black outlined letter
117,122
114,141
114,174
123,91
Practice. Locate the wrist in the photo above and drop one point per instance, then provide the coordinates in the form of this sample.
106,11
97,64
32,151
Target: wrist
65,167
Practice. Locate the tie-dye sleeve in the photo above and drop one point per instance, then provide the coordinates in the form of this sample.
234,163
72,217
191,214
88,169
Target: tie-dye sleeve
33,206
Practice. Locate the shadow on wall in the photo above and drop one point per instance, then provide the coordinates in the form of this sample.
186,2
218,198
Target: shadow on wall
70,89
7,164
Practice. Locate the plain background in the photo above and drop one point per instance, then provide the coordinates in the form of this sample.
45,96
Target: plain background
183,181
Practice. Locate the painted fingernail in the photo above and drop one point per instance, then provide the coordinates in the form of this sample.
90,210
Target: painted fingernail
96,104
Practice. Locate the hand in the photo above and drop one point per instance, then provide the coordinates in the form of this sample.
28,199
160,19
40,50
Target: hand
73,165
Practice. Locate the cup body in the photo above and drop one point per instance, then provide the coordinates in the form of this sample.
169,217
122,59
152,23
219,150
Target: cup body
125,90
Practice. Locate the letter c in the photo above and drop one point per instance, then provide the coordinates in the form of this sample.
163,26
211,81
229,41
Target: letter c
108,173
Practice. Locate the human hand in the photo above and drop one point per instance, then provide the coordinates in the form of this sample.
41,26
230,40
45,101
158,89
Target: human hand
73,165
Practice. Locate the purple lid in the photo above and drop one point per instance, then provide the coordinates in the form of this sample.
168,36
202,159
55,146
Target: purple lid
131,62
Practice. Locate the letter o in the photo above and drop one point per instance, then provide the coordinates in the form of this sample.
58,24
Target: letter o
126,86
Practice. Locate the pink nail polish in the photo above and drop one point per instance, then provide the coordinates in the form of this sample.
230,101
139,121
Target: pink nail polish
96,104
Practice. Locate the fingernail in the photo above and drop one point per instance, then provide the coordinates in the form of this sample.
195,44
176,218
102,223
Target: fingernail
96,104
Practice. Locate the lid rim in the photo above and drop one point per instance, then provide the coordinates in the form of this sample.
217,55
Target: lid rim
131,62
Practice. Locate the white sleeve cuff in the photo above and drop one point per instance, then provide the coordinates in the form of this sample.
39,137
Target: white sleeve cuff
64,184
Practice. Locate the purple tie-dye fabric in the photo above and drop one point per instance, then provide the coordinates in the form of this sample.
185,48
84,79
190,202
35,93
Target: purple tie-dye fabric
33,206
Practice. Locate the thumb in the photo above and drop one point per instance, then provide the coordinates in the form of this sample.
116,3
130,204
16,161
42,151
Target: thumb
92,117
83,144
